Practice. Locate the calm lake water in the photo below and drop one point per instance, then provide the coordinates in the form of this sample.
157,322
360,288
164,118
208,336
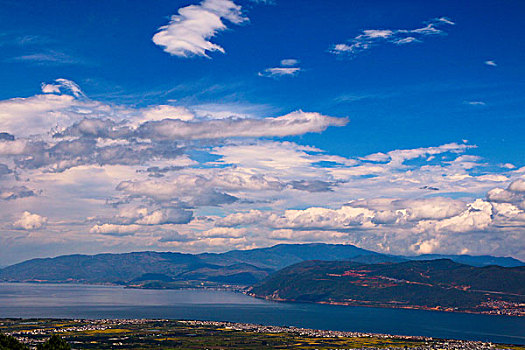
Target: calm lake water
81,301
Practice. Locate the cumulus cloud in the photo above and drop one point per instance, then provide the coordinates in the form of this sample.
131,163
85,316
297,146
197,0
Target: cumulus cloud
517,186
61,104
147,216
14,147
310,218
160,112
439,215
374,37
429,208
477,217
224,232
194,177
189,32
185,190
115,230
67,154
357,214
242,218
33,115
425,246
514,193
29,221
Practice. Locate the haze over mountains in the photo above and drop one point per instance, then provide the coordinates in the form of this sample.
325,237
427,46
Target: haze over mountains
239,267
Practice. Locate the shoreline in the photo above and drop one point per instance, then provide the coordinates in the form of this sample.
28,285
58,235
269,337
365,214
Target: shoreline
388,306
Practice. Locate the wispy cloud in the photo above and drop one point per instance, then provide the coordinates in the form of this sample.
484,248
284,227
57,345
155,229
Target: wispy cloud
374,37
48,58
288,68
491,63
189,32
278,72
289,62
475,103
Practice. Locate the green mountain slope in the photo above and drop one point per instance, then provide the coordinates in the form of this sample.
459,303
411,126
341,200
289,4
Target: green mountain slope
426,284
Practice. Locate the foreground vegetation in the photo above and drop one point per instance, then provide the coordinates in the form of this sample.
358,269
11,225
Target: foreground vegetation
164,334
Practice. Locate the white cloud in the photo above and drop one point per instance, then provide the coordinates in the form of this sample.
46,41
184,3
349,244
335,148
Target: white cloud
278,72
357,215
242,218
475,103
29,221
373,37
189,32
224,232
34,115
9,148
477,217
49,57
407,40
185,190
491,63
160,112
61,104
426,246
288,68
115,230
62,85
517,186
295,123
288,62
180,177
151,216
430,208
398,157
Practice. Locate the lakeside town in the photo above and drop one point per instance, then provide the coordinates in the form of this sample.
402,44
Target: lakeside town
193,334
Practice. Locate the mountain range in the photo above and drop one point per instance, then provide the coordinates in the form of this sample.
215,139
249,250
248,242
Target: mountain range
237,267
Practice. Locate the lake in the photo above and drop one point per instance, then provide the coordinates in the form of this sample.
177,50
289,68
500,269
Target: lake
24,300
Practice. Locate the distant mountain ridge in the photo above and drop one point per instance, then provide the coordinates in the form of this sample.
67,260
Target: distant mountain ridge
473,260
167,269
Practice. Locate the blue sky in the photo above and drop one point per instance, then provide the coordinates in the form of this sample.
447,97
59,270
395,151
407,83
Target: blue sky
200,95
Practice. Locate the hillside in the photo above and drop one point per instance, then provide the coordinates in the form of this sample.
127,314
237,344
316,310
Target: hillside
423,284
